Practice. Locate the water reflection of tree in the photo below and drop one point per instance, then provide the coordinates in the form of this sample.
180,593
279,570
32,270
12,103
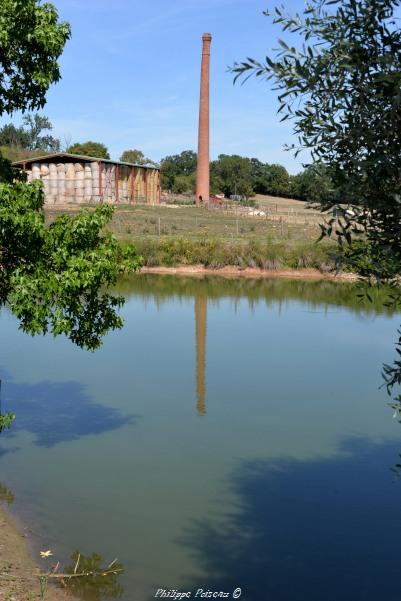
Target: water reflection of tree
319,529
102,581
56,412
6,495
325,293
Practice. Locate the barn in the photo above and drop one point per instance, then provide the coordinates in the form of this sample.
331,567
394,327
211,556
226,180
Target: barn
74,179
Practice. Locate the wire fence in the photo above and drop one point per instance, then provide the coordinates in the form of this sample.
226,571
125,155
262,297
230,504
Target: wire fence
226,225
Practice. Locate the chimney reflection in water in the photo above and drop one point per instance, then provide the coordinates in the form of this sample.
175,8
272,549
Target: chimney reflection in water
201,326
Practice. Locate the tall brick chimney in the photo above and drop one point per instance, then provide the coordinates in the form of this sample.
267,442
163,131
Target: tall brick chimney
202,177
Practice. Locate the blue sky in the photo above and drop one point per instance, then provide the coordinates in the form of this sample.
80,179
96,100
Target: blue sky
130,77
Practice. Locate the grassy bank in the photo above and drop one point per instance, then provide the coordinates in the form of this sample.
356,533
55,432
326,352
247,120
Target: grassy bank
216,253
168,237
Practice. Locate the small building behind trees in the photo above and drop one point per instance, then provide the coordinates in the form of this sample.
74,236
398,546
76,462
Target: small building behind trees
75,179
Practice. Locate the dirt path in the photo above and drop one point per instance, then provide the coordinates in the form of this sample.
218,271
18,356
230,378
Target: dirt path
250,272
18,572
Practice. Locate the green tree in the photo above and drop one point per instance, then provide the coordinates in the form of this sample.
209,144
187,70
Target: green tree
232,175
135,156
342,89
270,179
313,185
183,164
31,41
277,180
184,184
259,176
22,142
52,278
15,137
34,126
90,149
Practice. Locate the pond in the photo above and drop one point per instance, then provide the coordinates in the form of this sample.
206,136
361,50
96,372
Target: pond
232,435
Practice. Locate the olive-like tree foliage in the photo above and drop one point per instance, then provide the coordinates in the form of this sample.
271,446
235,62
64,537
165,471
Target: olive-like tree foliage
340,83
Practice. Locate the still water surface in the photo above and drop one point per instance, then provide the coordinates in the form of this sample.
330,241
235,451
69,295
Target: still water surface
231,435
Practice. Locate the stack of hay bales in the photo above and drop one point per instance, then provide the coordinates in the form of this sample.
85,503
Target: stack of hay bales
141,189
123,184
94,167
95,181
61,183
45,177
70,182
36,171
79,183
87,183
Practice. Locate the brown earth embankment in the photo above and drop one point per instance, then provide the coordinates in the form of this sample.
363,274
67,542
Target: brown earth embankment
251,272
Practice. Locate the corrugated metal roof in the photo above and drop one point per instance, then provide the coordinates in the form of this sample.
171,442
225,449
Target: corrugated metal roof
78,157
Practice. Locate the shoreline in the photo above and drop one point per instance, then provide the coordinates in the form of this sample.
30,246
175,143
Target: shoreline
230,271
18,570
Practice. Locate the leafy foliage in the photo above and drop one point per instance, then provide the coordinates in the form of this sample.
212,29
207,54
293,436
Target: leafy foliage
135,156
51,277
90,149
6,420
342,89
240,175
35,125
31,41
174,166
314,184
15,137
231,174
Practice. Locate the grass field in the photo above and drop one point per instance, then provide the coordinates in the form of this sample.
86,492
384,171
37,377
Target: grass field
284,219
284,236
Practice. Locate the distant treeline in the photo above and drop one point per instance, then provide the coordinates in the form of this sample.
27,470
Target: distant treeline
33,138
242,176
229,174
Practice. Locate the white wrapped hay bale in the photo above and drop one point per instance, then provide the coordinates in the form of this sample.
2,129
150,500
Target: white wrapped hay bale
70,182
79,177
44,169
53,189
94,168
70,172
87,183
79,183
29,176
46,187
36,171
61,181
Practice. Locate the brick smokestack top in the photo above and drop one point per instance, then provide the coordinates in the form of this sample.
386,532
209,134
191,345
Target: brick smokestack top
202,178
